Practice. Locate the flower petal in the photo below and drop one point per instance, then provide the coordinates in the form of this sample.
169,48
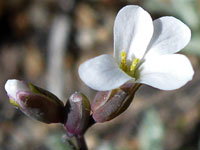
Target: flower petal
170,36
166,72
102,73
133,29
12,86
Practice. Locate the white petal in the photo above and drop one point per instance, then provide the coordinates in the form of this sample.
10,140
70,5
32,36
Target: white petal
12,86
170,36
166,72
133,29
102,73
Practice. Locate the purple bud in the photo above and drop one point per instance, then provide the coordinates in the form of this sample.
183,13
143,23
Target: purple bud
77,114
35,102
109,104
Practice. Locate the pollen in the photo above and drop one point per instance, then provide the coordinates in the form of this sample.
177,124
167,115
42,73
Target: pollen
123,65
129,68
134,64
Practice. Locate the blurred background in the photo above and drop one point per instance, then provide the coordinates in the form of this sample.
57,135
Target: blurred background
44,42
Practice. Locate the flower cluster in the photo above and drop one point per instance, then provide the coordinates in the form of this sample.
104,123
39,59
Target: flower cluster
144,53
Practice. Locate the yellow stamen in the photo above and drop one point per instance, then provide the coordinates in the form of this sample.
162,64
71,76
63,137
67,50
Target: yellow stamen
128,68
134,64
123,61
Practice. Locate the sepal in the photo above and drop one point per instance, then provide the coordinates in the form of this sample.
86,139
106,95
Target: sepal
109,104
35,102
77,114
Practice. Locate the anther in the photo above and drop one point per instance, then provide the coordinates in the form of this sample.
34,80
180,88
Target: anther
134,64
123,65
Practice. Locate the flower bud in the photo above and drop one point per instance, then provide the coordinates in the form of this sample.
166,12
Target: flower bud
35,102
109,104
77,114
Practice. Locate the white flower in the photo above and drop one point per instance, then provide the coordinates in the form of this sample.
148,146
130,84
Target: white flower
143,53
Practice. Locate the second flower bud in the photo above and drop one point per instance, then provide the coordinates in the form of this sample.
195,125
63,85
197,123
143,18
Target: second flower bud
77,114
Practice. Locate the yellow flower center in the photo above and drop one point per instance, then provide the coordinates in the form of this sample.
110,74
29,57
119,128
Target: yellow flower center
129,69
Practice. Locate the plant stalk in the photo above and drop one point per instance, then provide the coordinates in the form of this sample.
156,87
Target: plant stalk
81,143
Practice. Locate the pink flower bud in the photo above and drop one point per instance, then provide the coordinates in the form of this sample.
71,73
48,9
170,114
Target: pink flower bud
77,114
35,102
